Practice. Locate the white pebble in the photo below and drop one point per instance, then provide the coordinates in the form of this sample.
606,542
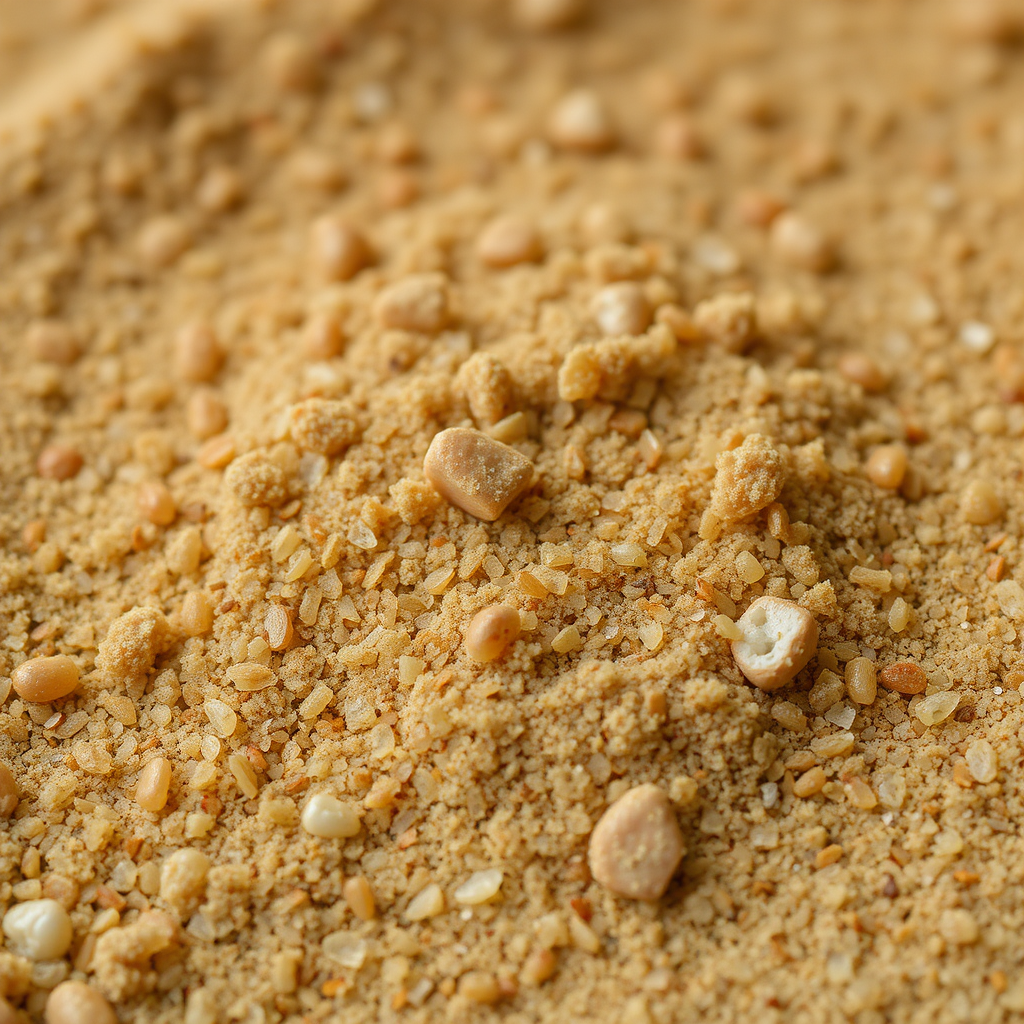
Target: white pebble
579,122
841,715
428,902
327,817
780,638
480,887
976,336
981,762
38,929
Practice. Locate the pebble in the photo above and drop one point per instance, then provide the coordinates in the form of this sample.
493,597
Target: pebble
162,240
327,817
339,251
579,122
476,473
780,638
980,505
74,1002
59,462
507,241
548,15
428,902
51,341
9,794
799,243
38,929
491,631
622,308
904,677
637,845
42,680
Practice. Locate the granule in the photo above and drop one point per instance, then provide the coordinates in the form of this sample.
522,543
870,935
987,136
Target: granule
416,303
729,320
255,480
121,958
132,643
487,387
747,479
323,426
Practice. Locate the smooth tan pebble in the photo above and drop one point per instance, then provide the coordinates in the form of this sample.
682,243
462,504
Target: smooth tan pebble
41,680
491,631
476,473
637,845
74,1002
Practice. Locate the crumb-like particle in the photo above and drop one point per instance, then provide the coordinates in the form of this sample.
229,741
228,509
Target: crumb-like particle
729,320
488,388
747,479
133,642
415,303
322,425
255,480
121,961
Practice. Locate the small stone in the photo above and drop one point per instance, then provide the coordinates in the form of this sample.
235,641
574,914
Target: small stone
936,707
980,505
799,242
476,473
162,240
42,680
780,638
580,122
428,902
548,15
507,241
491,631
904,677
327,817
981,761
958,927
637,844
51,341
38,929
480,887
338,250
74,1002
622,308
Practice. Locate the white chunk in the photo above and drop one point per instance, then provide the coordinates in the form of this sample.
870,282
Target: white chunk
327,817
480,887
38,929
779,639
